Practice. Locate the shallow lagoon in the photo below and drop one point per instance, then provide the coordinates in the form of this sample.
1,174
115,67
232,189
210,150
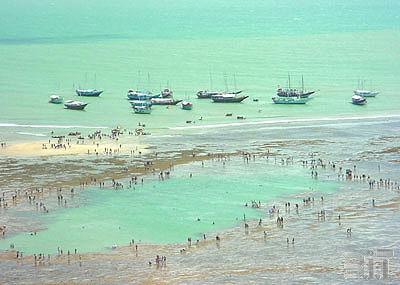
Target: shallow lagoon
167,211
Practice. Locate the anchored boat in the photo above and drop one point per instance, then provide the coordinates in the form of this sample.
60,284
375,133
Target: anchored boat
88,92
145,103
294,92
361,91
167,93
228,98
204,94
187,105
164,101
290,100
358,100
142,109
75,105
365,93
140,95
55,99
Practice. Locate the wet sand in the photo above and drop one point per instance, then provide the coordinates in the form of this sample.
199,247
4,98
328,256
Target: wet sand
238,256
245,255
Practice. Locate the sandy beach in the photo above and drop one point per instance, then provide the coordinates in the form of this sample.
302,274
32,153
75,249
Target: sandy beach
74,145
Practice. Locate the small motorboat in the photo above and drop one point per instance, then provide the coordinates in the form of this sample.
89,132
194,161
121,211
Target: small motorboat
358,100
88,92
142,109
290,100
55,99
164,101
187,105
228,98
75,105
365,93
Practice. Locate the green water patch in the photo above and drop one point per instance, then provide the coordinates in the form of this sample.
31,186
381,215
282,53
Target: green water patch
169,211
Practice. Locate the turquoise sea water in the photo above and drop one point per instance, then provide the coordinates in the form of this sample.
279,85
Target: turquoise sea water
167,211
54,46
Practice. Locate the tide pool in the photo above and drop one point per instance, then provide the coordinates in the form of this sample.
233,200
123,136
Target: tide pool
167,211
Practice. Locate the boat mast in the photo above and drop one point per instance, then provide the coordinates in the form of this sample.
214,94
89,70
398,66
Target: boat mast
234,81
226,82
148,81
289,80
138,81
95,81
302,83
211,83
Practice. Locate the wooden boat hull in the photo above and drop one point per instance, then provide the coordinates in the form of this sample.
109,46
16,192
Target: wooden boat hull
359,103
137,103
142,111
365,93
290,100
56,101
205,94
84,93
174,102
295,95
229,100
142,96
76,107
358,100
187,107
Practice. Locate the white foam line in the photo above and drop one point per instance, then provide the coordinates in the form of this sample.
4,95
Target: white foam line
270,122
31,134
6,125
